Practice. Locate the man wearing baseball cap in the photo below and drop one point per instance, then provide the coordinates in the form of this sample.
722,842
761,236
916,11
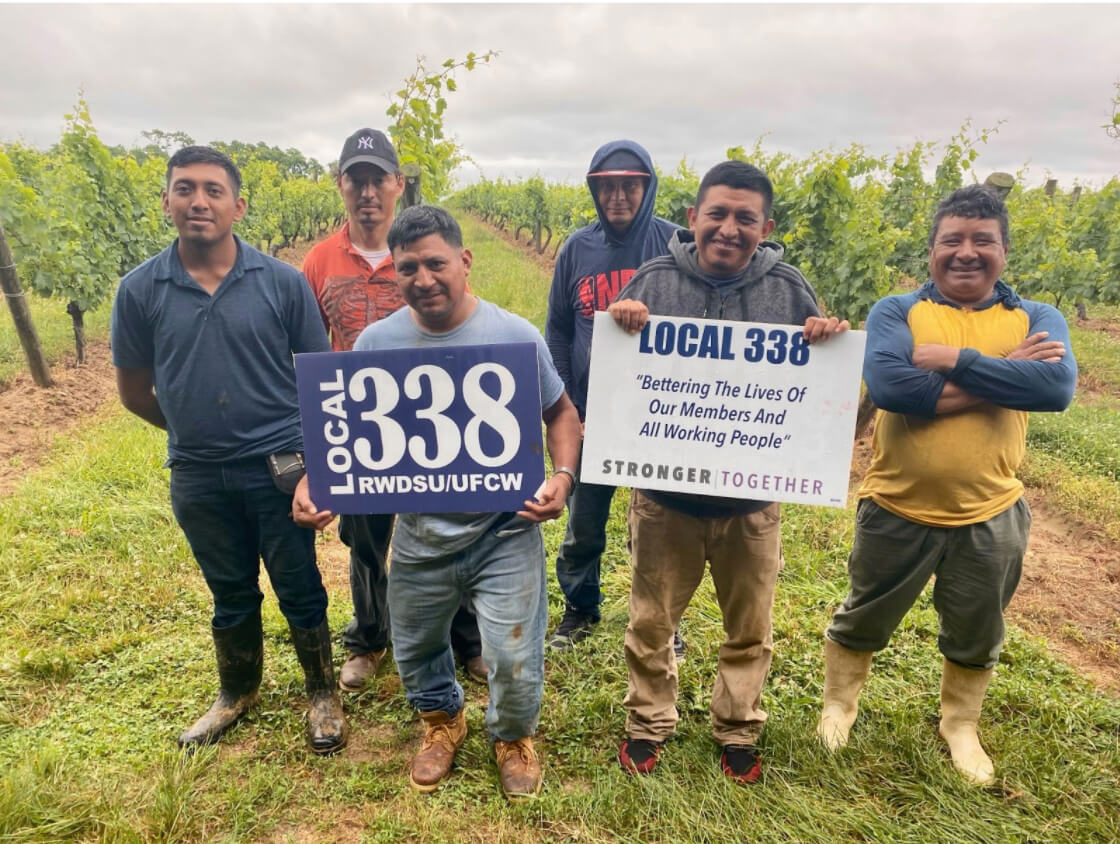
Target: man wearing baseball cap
593,266
351,273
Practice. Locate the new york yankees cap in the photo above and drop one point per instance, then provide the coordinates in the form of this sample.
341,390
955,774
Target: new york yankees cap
368,146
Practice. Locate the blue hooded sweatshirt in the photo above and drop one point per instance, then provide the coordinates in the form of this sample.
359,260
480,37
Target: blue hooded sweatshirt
593,266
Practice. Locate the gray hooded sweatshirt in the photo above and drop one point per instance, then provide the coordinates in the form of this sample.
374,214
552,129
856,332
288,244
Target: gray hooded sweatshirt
768,290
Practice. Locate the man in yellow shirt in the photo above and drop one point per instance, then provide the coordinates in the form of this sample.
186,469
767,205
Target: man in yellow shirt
954,368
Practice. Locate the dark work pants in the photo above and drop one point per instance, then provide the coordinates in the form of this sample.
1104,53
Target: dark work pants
233,517
585,538
368,538
977,568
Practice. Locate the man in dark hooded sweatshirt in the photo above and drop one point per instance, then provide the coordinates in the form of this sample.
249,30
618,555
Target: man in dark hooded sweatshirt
594,265
724,268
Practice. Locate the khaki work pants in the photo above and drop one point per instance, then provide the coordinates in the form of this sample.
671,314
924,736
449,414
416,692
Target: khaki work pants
669,551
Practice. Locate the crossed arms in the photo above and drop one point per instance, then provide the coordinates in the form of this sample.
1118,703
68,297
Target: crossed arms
933,379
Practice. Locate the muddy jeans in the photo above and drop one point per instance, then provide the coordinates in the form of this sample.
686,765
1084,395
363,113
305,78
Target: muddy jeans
503,577
368,537
669,551
977,568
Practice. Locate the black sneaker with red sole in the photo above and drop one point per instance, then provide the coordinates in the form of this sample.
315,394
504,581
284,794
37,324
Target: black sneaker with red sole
741,762
639,756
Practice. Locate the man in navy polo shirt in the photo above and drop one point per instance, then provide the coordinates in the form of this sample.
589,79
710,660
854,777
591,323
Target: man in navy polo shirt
203,336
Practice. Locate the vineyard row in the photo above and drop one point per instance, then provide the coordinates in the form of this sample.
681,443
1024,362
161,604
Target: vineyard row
856,225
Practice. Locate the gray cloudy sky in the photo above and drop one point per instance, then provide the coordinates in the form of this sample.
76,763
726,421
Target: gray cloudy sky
682,80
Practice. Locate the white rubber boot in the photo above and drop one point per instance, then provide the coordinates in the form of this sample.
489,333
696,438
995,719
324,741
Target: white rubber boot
962,695
845,672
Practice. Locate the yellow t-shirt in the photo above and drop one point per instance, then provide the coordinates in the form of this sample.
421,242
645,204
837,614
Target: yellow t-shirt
958,468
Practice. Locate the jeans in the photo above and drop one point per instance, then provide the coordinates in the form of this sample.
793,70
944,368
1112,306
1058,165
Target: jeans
578,563
368,537
504,580
233,516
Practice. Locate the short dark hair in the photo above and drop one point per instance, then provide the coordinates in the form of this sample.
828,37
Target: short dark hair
420,221
205,155
740,176
977,202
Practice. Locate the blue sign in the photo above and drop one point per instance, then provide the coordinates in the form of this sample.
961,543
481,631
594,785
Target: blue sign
455,429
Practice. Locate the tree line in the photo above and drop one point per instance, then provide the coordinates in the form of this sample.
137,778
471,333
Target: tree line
79,215
76,217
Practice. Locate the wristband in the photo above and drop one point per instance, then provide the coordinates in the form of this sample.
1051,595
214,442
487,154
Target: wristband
564,470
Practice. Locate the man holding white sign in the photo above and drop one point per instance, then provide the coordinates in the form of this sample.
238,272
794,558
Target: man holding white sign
494,559
723,269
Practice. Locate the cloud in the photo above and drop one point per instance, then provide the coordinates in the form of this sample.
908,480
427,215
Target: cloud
683,80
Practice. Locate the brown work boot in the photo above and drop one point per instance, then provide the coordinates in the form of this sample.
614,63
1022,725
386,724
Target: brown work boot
442,737
518,767
358,670
477,670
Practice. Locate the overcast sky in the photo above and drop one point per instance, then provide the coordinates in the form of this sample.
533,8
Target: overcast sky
682,80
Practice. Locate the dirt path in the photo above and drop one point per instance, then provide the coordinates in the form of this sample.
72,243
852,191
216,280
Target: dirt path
1069,594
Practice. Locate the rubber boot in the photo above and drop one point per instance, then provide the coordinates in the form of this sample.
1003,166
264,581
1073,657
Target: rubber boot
962,695
240,656
327,729
845,672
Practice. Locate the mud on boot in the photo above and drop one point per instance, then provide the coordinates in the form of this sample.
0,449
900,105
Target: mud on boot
240,657
327,730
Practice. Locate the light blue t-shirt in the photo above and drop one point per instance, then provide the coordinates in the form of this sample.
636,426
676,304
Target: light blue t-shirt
424,536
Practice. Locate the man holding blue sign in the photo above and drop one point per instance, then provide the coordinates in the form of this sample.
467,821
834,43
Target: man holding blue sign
723,268
496,560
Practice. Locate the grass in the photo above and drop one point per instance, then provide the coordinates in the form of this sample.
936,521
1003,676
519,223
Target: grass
1086,436
505,275
1098,358
55,329
1084,497
105,656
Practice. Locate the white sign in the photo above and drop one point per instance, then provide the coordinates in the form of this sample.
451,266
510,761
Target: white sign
731,409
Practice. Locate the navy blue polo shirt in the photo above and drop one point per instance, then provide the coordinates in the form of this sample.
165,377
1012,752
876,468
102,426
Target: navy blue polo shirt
222,364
